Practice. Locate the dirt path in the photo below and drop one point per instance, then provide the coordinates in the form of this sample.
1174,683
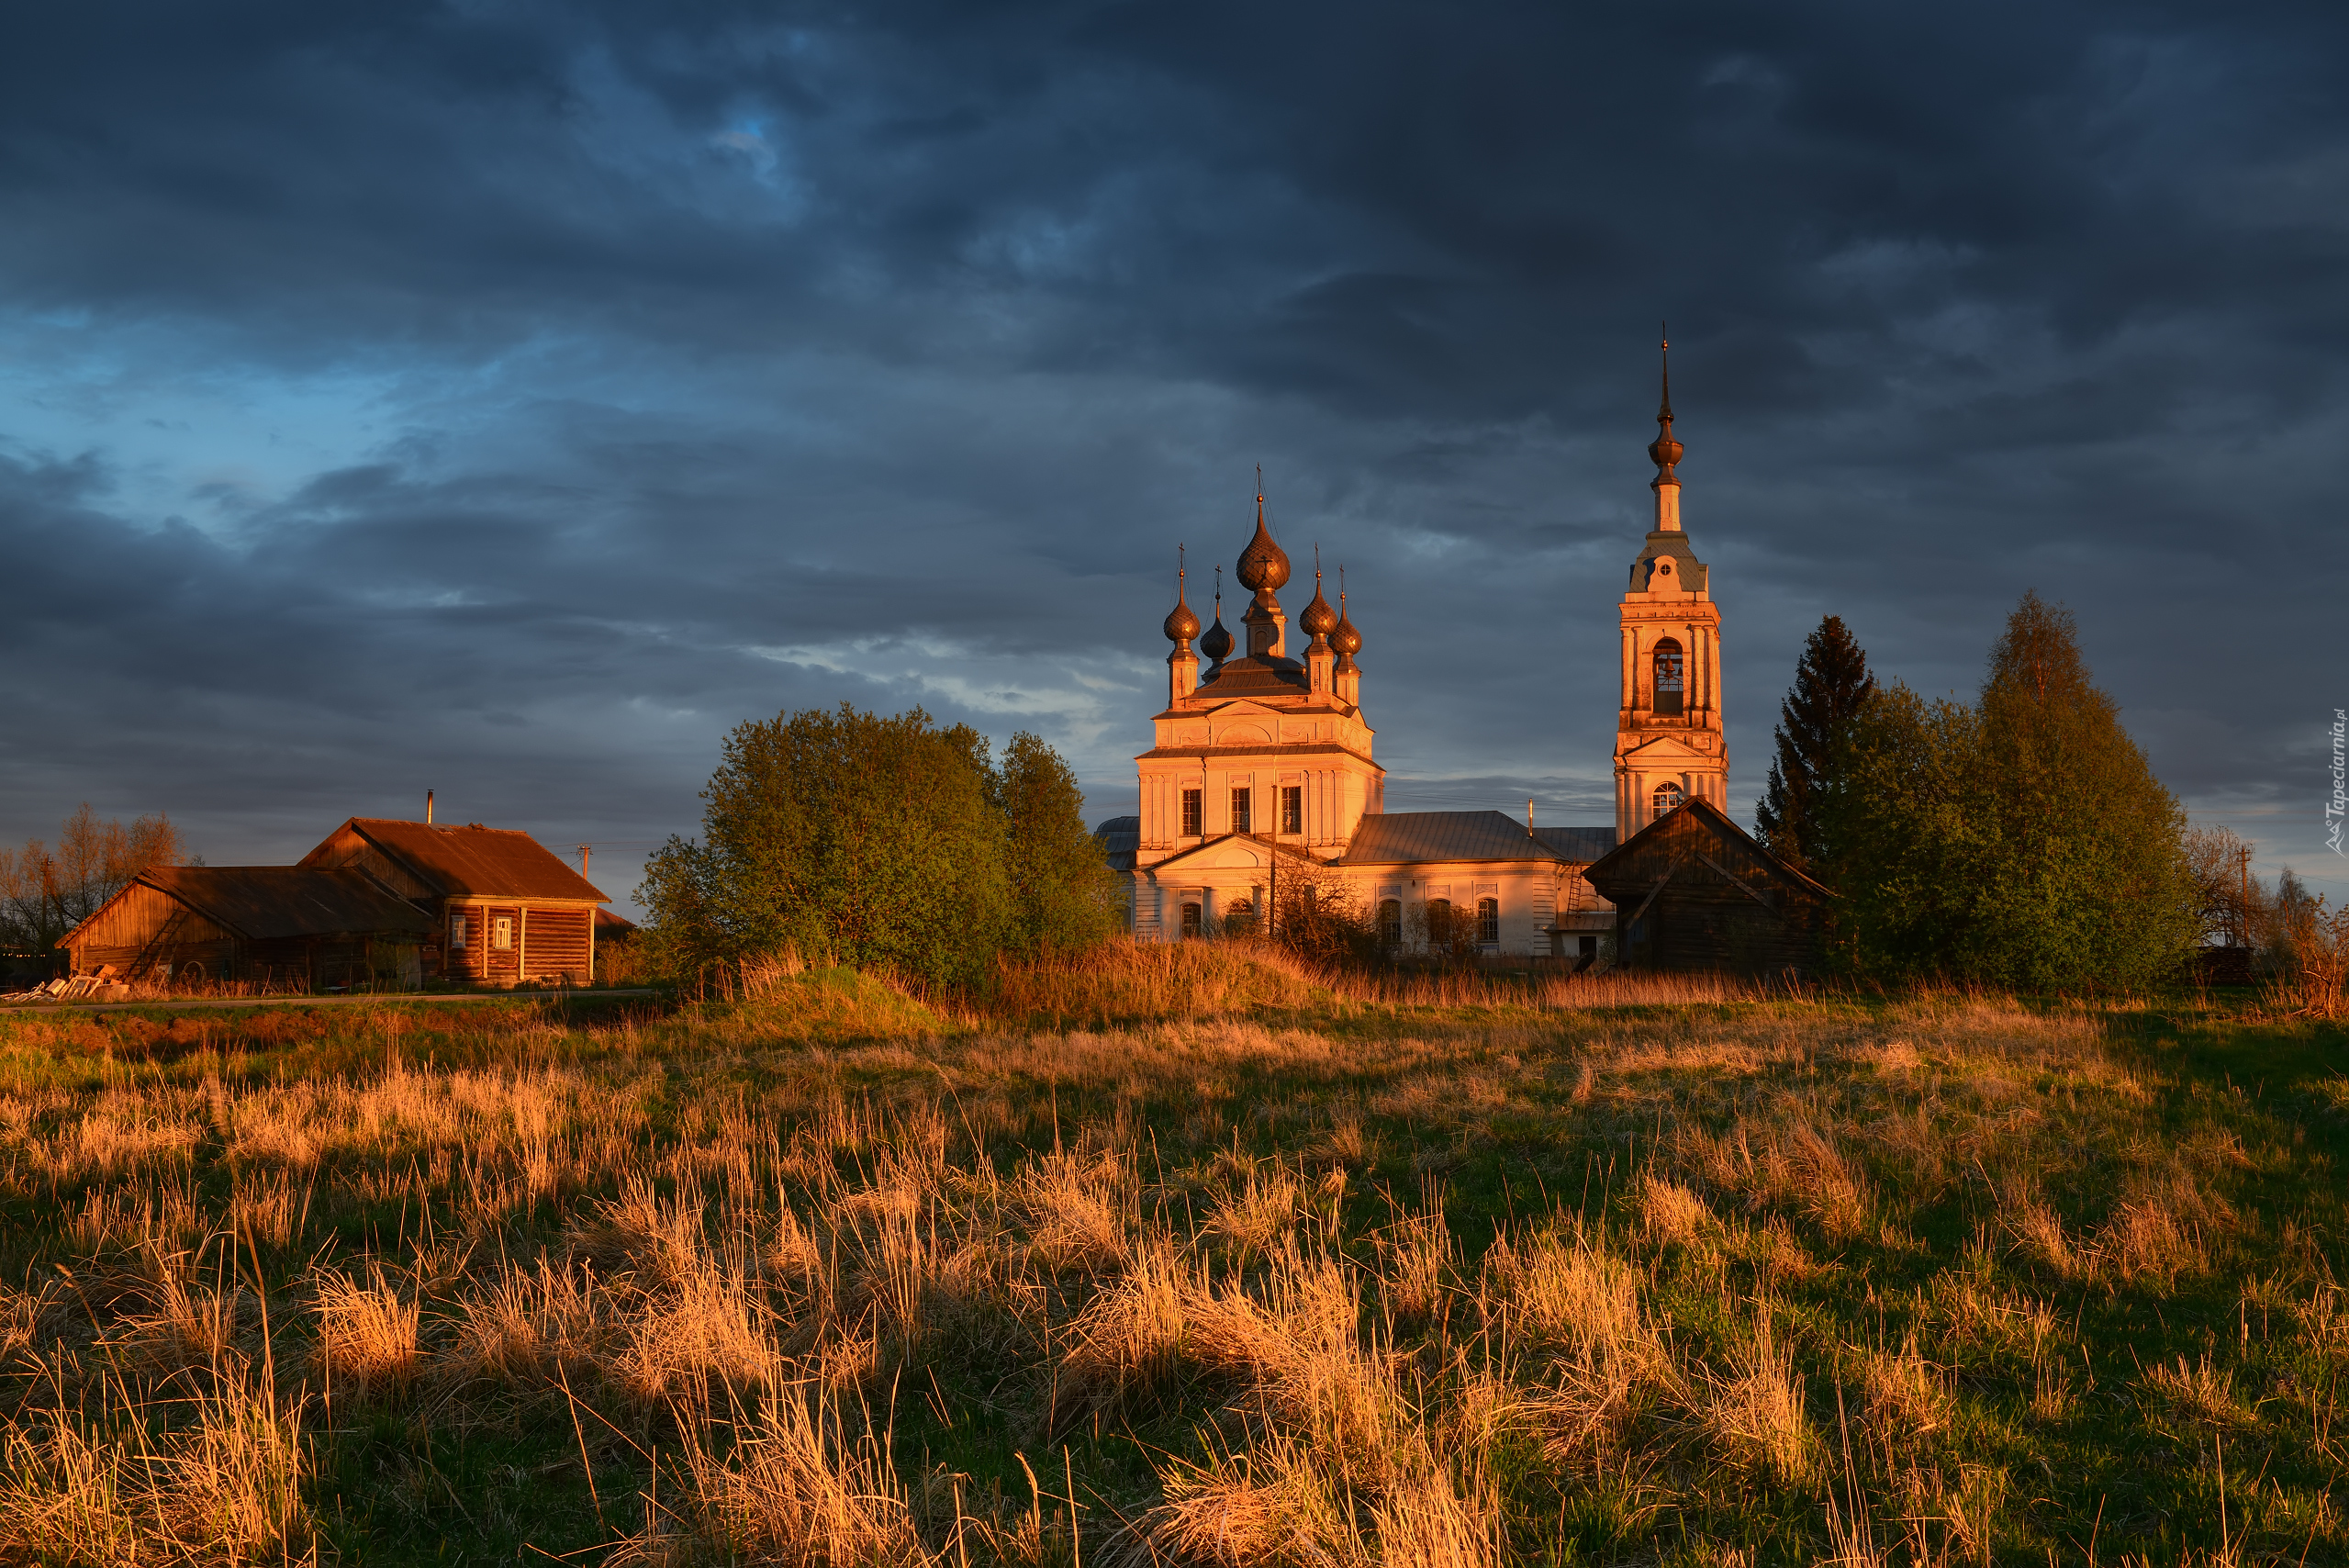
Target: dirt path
406,998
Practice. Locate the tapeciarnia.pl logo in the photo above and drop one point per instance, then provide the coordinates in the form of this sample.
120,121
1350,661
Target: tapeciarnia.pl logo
2336,807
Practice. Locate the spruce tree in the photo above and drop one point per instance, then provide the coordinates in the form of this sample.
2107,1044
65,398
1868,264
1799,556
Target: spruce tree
1832,684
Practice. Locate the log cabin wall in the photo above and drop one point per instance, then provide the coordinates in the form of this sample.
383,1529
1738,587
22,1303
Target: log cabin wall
558,944
545,942
467,959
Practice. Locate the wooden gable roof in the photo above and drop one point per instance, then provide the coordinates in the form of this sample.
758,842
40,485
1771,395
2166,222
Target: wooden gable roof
1697,830
448,861
256,904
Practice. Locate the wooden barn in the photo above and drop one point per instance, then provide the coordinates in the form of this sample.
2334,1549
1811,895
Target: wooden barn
1692,891
503,908
303,928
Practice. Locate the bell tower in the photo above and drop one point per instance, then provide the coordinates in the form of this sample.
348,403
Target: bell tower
1668,744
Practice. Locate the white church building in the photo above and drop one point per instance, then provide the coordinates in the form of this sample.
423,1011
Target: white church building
1264,765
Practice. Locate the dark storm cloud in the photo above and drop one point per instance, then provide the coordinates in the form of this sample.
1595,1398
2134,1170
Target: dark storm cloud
517,396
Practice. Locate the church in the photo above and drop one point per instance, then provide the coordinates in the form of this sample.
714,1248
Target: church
1264,766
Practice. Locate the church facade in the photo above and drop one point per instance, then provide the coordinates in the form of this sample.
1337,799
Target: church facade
1263,766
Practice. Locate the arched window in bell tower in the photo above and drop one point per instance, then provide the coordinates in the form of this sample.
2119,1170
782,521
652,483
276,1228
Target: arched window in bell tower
1670,683
1668,796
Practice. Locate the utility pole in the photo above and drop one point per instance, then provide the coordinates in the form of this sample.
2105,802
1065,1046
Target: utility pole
585,850
2242,909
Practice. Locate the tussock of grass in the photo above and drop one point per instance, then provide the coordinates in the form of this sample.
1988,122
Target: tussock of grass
1440,1270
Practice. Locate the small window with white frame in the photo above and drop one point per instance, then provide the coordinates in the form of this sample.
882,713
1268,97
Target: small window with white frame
501,932
456,931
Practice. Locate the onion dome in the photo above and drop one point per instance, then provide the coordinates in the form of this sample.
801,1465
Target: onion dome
1343,637
1263,565
1319,620
1217,644
1182,622
1664,452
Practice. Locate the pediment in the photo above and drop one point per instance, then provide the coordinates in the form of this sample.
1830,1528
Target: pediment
1231,853
1242,708
1667,748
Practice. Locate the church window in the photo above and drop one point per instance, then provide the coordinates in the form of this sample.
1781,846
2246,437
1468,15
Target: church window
1292,808
1391,922
1240,810
1670,684
1239,918
1190,813
1439,922
1191,919
1488,920
1668,796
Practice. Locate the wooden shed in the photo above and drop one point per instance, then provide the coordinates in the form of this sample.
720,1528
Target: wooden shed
304,928
1692,891
503,908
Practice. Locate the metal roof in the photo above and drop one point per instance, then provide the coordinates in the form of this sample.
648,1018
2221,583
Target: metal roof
486,862
268,903
1399,837
1120,838
1580,844
1241,676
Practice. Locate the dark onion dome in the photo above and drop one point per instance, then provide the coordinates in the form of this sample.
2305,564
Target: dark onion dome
1182,622
1319,620
1217,644
1343,637
1263,565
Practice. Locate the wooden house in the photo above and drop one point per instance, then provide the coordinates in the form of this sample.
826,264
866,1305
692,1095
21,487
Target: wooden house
503,909
301,928
1692,891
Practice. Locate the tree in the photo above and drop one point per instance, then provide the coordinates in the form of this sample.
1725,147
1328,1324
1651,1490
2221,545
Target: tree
1063,892
886,842
1831,685
44,893
2228,899
2021,840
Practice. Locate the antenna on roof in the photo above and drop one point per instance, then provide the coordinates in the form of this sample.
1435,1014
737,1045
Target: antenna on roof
427,807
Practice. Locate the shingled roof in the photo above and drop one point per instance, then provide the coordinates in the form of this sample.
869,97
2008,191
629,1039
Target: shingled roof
482,862
269,904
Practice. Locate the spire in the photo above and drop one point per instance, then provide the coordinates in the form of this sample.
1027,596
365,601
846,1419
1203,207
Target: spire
1182,622
1664,452
1217,644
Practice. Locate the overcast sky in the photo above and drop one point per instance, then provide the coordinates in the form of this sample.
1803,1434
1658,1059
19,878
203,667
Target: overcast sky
508,399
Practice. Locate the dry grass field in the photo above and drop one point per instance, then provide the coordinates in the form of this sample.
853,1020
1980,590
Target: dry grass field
1176,1259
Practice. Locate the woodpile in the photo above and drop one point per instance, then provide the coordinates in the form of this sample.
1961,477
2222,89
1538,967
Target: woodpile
99,987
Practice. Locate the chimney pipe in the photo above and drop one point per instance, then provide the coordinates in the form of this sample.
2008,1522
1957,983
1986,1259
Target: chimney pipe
1528,816
428,805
